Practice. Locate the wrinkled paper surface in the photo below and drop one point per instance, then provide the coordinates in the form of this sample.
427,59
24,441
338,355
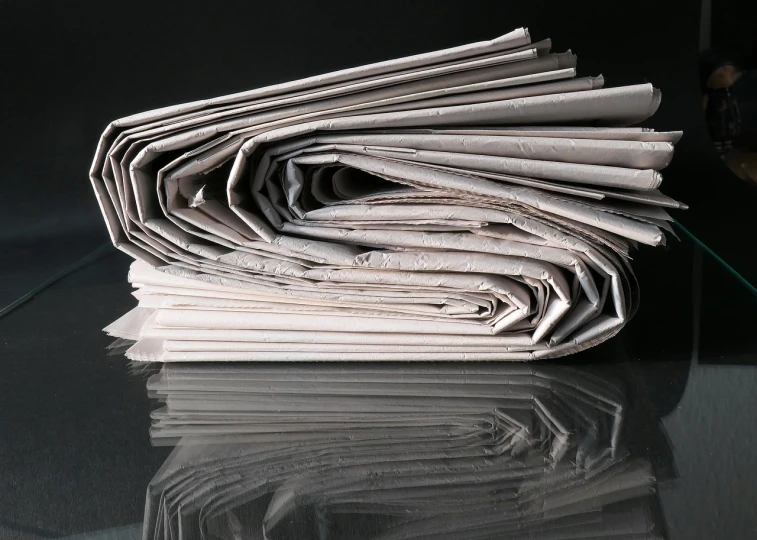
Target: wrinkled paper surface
473,203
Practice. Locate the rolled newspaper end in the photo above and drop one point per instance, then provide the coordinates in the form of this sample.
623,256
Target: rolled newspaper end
474,203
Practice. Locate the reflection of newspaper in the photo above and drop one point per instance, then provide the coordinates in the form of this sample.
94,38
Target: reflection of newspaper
395,452
439,206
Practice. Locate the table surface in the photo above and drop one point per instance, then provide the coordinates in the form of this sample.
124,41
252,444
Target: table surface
76,455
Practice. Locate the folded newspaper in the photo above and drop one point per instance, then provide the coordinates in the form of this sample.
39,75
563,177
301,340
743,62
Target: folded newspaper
472,203
398,452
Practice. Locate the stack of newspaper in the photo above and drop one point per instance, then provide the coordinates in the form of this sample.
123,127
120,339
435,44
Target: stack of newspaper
473,203
396,452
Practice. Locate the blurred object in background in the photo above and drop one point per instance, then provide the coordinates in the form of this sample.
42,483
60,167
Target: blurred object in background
721,108
728,80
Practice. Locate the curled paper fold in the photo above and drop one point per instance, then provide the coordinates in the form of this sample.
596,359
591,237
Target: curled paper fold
474,203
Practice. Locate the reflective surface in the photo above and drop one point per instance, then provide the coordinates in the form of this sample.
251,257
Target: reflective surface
471,451
75,452
649,435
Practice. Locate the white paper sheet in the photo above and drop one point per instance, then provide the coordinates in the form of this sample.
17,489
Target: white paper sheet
476,203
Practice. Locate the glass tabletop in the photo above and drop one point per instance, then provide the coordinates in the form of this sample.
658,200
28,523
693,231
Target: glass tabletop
649,435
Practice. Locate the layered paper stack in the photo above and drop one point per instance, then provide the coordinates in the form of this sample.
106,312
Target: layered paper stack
397,452
473,203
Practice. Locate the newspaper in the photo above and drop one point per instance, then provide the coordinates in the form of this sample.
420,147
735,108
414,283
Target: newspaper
474,203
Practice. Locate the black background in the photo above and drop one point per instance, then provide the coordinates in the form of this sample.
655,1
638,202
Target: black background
68,68
71,67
